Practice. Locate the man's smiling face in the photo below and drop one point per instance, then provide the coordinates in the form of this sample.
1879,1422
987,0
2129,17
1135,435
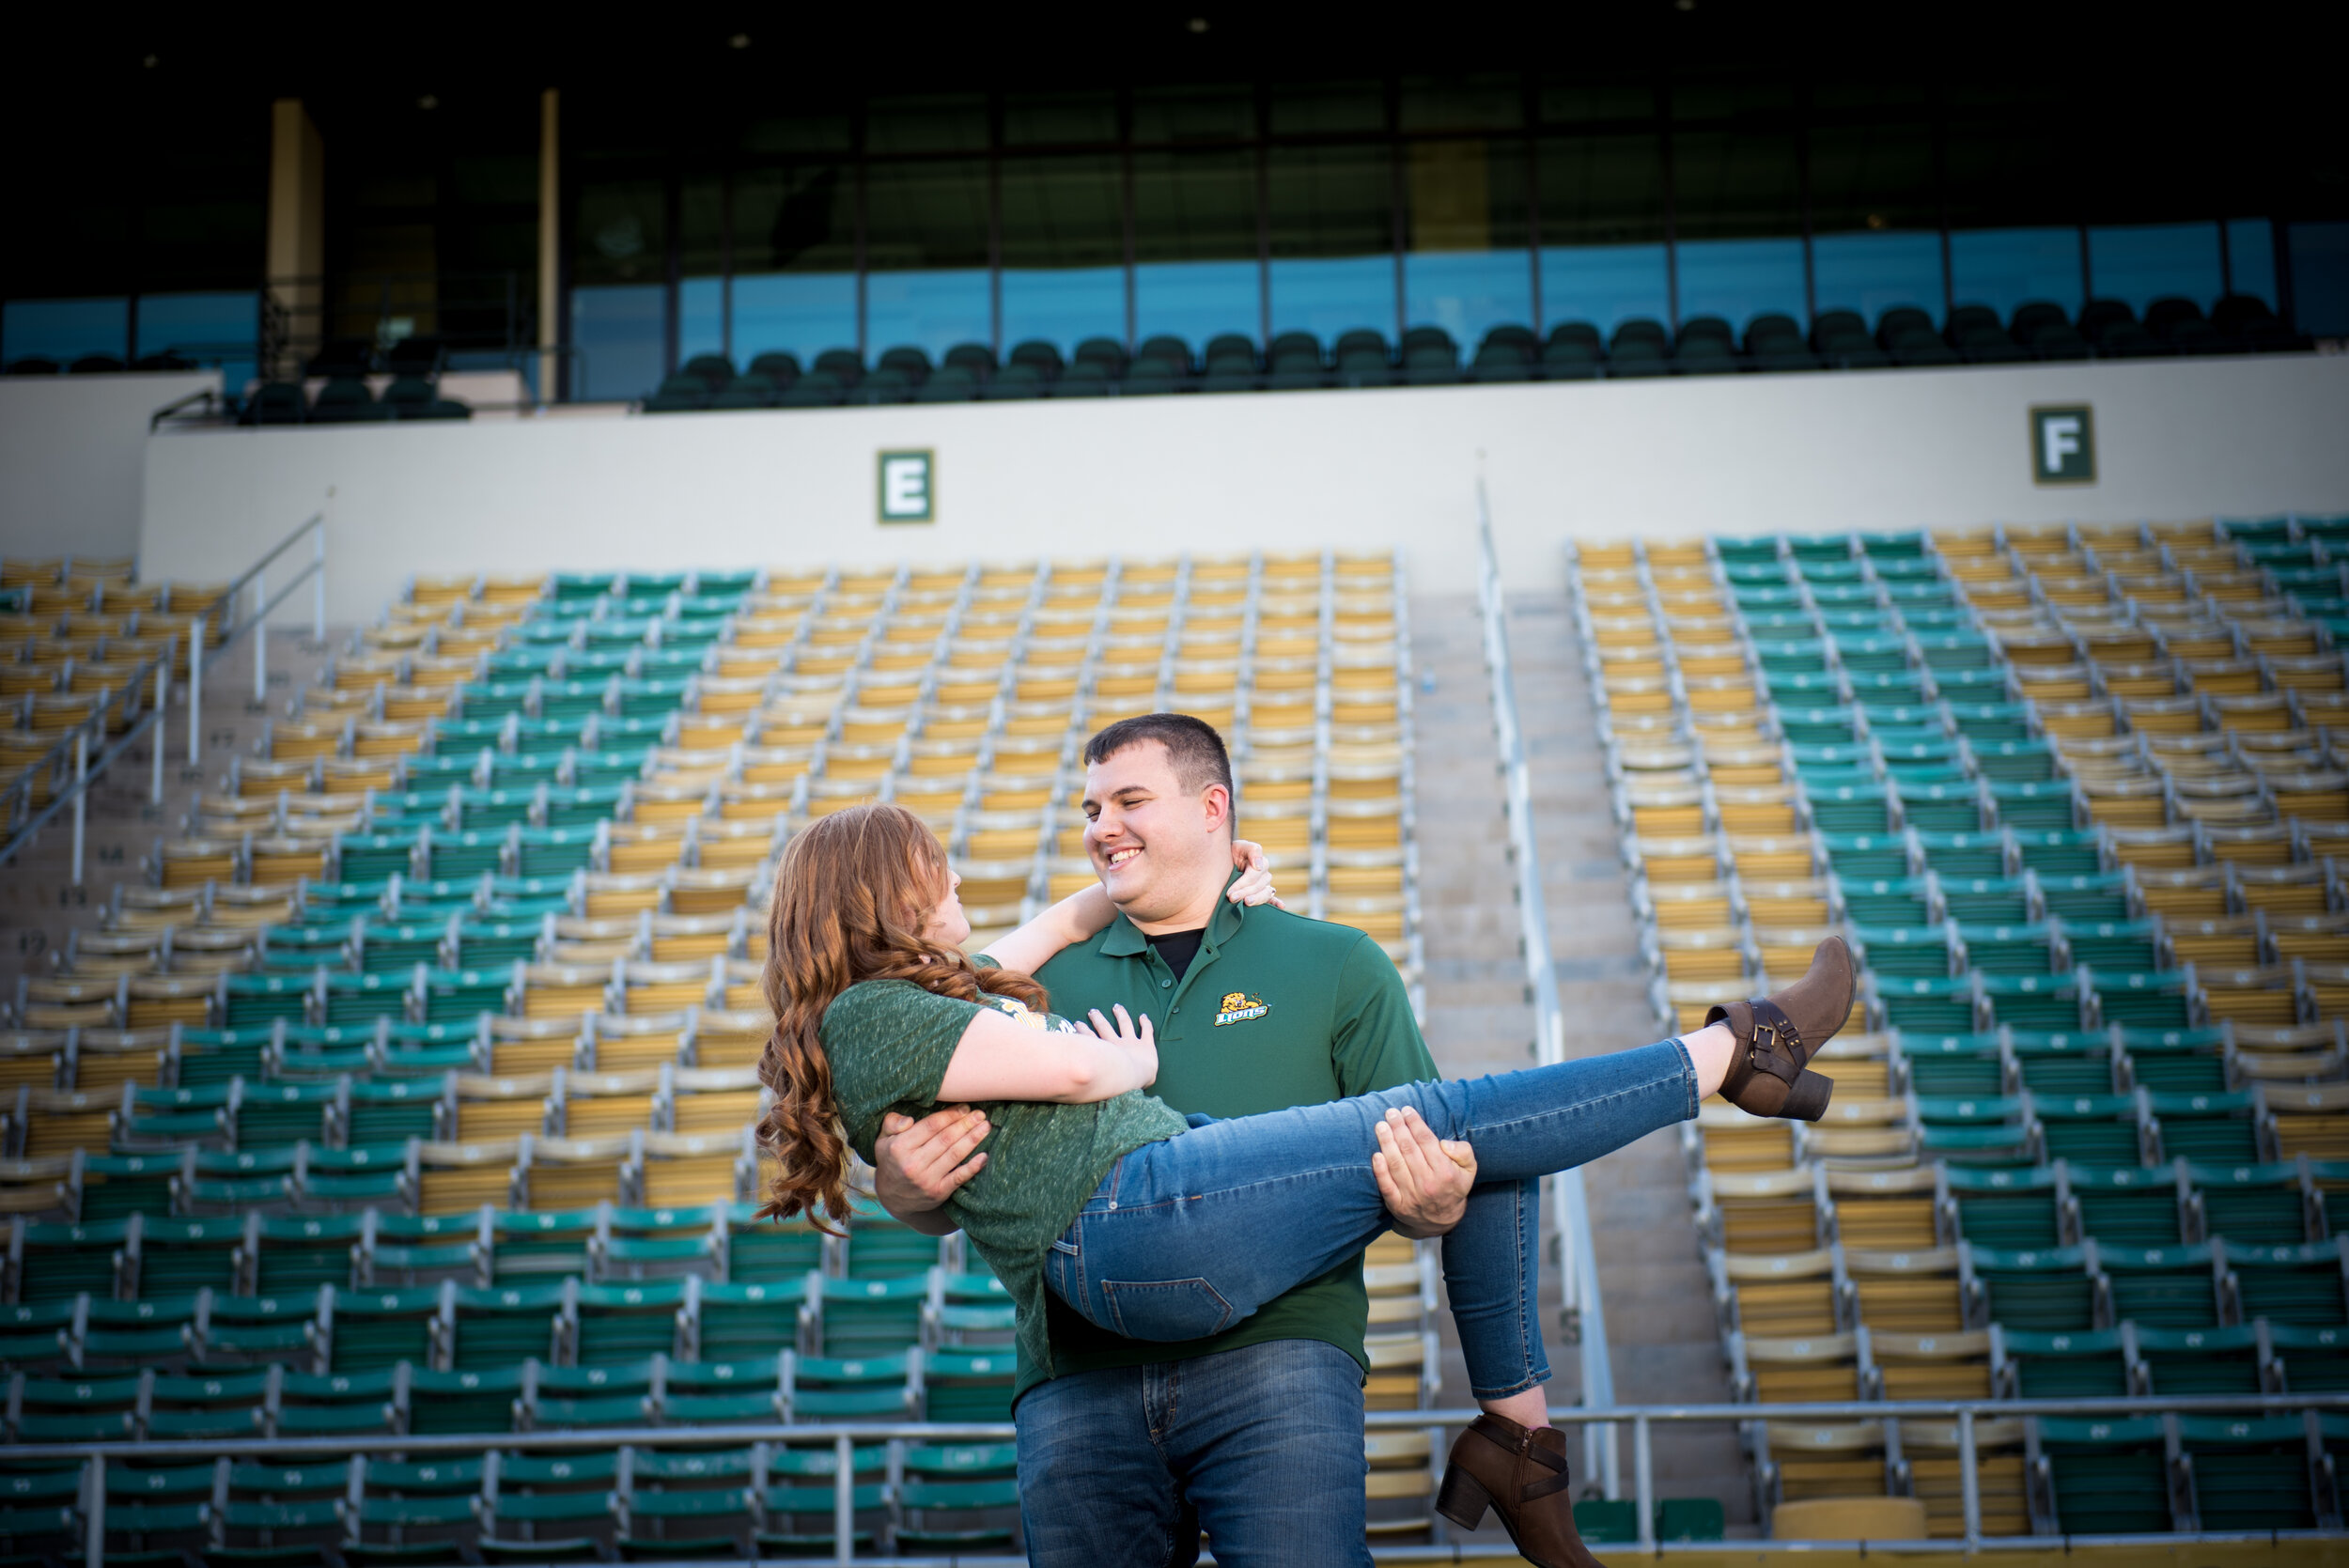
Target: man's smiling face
1154,844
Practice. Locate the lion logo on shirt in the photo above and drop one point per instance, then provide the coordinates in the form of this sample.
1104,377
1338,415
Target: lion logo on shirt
1239,1007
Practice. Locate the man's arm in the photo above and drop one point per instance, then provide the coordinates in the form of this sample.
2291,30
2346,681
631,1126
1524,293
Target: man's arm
1376,1044
918,1165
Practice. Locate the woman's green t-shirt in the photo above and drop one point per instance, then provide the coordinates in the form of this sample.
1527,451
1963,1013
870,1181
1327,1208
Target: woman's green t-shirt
890,1041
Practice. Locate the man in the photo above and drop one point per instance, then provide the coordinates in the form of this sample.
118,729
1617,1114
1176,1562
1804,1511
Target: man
1254,1434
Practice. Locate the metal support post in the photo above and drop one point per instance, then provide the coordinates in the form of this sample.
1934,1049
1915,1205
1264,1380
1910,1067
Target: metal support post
162,716
843,1498
1970,1484
196,690
318,585
261,634
94,1514
80,798
1643,1480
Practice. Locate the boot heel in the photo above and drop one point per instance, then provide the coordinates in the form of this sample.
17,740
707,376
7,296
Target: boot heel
1462,1500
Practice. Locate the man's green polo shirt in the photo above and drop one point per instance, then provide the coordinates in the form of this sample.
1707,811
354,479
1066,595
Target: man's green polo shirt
1274,1011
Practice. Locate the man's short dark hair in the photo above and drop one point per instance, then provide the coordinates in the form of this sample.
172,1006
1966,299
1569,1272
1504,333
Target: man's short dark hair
1191,745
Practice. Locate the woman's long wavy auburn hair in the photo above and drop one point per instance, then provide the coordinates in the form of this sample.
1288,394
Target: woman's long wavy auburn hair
853,893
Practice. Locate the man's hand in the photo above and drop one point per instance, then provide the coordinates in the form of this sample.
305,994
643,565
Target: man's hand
918,1165
1424,1180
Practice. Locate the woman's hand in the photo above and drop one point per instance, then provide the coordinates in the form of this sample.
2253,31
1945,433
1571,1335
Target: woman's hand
1255,883
1138,1044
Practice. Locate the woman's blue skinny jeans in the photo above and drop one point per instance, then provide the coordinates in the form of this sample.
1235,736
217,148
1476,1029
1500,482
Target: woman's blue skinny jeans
1188,1235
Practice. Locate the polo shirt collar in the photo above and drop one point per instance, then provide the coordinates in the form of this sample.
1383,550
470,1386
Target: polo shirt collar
1124,939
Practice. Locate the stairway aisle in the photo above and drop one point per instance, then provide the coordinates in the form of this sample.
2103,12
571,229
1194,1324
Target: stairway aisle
1660,1314
38,904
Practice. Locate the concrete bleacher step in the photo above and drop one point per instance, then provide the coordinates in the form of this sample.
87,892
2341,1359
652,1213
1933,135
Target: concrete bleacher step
1661,1334
39,908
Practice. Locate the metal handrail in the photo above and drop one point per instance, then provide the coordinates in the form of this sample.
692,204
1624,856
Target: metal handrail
257,574
1585,1309
845,1438
127,704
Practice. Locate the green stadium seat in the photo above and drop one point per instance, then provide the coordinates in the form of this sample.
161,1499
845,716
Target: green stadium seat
366,1330
2183,1361
723,1394
825,1388
740,1323
2104,1130
2208,1130
2311,1360
149,1332
966,1386
2004,1210
248,1330
545,1509
467,1399
505,1325
2127,1206
957,1498
311,1404
861,1317
2048,1290
207,1405
2163,1287
555,1398
2103,1475
2254,1204
2307,1284
2249,1474
620,1323
794,1496
2098,1363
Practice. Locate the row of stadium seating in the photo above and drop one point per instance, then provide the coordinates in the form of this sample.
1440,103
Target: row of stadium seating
449,1506
2071,797
73,631
1428,356
422,1063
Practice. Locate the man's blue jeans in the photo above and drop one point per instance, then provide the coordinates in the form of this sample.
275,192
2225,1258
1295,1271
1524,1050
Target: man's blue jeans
1261,1446
1187,1236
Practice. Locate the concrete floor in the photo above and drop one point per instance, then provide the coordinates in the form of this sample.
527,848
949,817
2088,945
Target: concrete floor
1661,1339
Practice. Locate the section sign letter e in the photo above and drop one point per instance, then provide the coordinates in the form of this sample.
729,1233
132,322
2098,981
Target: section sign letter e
2063,445
909,486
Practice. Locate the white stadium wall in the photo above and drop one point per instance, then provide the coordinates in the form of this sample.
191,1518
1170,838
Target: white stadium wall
72,457
1154,476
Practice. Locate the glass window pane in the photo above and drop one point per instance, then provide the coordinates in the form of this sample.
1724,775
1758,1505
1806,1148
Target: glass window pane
2139,263
1740,279
204,327
2252,258
1602,285
1063,250
1463,103
1468,270
1195,275
2004,268
618,329
1209,114
795,313
1602,224
221,329
943,122
702,224
1469,293
618,236
1317,108
795,217
926,243
1735,185
1873,272
700,317
2319,279
1066,118
1332,238
64,329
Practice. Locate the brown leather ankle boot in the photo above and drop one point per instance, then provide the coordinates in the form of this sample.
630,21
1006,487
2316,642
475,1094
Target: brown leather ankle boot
1521,1475
1777,1033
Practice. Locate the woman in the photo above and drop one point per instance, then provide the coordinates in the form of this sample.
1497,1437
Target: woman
1140,1222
